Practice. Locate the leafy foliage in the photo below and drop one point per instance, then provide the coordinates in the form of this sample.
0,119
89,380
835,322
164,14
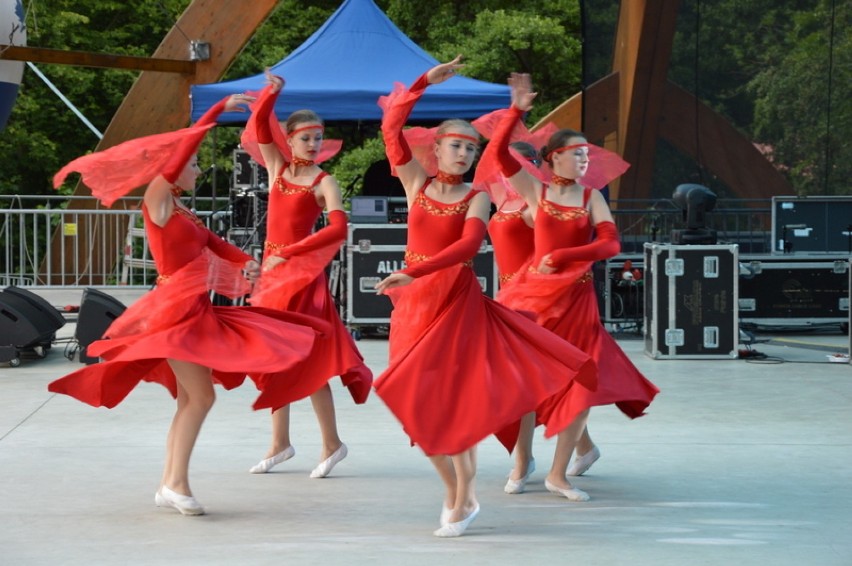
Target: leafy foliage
802,105
352,165
765,64
769,67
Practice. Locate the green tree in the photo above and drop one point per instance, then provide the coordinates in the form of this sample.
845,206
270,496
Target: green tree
42,133
498,37
803,110
765,66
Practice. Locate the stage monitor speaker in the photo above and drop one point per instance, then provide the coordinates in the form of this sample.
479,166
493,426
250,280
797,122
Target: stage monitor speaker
97,311
48,311
26,322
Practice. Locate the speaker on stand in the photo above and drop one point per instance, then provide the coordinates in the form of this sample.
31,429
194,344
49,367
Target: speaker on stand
97,312
28,323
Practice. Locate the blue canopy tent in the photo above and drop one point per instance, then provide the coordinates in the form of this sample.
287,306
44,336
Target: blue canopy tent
342,69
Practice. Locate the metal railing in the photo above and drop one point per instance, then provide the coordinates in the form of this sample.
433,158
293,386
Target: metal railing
745,222
44,244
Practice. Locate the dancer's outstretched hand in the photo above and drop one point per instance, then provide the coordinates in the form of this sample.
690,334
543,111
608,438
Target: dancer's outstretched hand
276,81
251,270
546,266
444,71
522,94
238,102
272,261
397,279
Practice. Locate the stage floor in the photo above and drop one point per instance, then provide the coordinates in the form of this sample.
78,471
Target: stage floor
741,462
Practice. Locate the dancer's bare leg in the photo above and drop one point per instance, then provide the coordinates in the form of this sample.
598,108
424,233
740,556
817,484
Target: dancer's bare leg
566,441
195,398
323,404
523,447
584,444
464,465
280,431
280,449
447,473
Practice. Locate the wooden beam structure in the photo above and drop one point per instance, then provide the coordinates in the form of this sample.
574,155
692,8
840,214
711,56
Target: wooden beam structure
89,59
643,48
718,146
597,118
159,101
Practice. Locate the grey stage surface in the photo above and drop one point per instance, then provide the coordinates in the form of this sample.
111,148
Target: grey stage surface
736,462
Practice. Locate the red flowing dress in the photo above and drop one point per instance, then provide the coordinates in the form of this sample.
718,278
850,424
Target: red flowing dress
567,305
514,245
177,321
462,366
300,285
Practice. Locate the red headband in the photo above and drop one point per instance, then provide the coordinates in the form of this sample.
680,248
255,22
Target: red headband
303,128
565,148
454,135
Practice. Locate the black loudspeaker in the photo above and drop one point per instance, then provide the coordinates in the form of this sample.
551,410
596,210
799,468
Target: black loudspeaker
97,311
27,323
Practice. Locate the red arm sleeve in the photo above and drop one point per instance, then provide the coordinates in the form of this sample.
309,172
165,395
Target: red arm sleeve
334,232
500,139
226,250
260,116
213,113
395,118
174,166
606,245
183,152
460,251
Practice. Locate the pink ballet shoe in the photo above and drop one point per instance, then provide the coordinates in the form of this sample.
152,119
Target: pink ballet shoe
514,487
265,465
581,464
457,529
186,504
324,468
572,494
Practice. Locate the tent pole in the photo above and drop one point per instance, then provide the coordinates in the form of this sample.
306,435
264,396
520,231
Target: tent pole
213,180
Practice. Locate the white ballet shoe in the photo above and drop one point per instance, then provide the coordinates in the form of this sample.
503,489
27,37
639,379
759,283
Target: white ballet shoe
457,529
186,504
445,515
517,486
581,464
572,494
324,468
265,465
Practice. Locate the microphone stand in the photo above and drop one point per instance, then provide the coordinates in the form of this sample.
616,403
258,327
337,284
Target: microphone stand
200,181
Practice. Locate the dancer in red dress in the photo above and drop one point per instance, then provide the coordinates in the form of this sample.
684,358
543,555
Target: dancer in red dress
293,277
512,236
559,286
173,335
461,366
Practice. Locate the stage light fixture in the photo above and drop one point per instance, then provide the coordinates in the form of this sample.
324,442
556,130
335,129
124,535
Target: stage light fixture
695,201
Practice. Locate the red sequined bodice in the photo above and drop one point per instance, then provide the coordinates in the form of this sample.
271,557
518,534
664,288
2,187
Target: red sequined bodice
558,226
433,225
178,242
293,211
513,241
